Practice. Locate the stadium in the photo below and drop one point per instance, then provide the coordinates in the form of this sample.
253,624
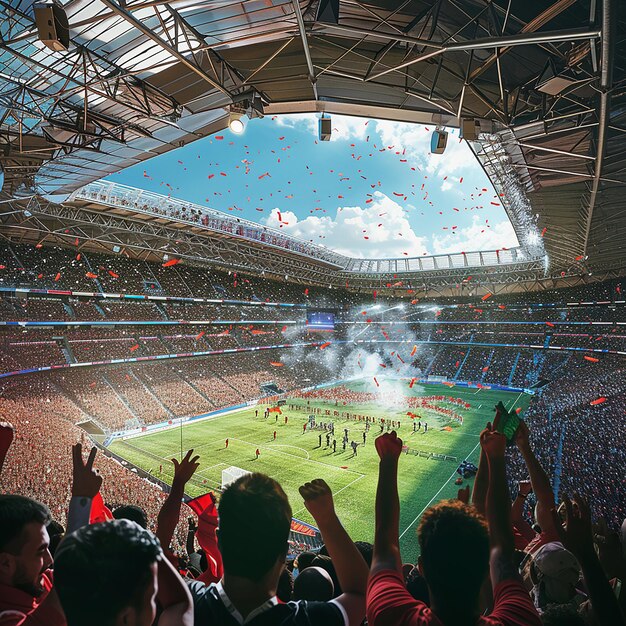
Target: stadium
285,235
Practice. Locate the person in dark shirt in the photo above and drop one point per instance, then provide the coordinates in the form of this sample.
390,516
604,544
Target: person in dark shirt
254,524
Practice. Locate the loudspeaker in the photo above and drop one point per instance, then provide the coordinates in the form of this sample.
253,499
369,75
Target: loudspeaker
438,141
469,129
325,128
328,12
53,27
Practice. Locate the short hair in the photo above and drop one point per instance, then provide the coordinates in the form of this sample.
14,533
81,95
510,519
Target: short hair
103,568
314,584
454,543
133,513
15,513
254,523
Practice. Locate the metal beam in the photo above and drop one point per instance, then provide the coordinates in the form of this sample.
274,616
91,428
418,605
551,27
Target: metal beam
606,84
305,45
555,151
520,39
148,32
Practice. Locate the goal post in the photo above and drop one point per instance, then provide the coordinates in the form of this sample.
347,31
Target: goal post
231,474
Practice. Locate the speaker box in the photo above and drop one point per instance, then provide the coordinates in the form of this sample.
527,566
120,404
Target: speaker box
328,12
325,128
53,27
469,129
438,141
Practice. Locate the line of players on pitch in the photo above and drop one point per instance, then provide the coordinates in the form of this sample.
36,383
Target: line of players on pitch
329,427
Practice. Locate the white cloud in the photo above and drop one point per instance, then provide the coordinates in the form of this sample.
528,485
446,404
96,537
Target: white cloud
477,236
344,128
383,221
415,139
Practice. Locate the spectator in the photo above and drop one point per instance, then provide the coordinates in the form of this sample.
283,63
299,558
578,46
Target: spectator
25,579
115,573
457,550
254,523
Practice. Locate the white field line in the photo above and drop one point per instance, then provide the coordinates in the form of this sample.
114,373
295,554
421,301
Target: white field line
261,447
335,493
435,496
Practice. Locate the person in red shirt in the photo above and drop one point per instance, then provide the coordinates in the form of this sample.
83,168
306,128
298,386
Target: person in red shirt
227,443
25,559
458,550
257,453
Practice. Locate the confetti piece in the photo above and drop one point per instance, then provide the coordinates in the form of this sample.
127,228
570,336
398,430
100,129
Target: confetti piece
414,350
580,257
501,306
56,278
219,137
171,262
598,401
591,359
518,410
112,274
91,275
486,296
135,347
276,364
376,382
306,291
543,232
550,324
325,345
200,335
447,429
412,382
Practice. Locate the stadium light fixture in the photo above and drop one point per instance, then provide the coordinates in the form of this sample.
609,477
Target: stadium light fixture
235,123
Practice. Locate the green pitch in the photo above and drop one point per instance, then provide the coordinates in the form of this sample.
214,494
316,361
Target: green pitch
296,457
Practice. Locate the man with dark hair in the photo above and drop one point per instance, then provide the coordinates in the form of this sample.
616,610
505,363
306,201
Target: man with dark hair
27,597
254,525
133,513
24,560
115,573
458,549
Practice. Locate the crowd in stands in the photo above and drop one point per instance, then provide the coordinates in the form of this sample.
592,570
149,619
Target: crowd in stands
72,553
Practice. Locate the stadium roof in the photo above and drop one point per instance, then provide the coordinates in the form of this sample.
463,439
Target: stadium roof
541,84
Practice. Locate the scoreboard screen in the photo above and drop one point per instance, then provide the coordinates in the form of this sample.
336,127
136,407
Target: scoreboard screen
321,320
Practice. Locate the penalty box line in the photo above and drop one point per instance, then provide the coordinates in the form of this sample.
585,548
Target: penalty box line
308,460
404,532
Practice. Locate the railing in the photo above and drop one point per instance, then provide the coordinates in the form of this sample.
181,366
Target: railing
122,196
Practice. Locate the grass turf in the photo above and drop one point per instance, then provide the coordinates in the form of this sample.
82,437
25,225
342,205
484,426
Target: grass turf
295,457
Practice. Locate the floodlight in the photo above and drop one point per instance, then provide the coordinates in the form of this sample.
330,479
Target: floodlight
235,123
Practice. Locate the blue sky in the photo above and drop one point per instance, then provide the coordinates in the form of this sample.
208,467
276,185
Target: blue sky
373,191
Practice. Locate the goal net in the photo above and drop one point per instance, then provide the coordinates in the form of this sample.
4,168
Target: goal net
231,474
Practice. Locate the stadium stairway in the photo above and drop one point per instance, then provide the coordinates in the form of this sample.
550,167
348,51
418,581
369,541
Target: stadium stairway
151,393
458,372
198,391
432,361
121,398
517,358
66,349
96,281
487,365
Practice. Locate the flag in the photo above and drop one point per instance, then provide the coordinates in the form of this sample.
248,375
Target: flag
204,507
99,511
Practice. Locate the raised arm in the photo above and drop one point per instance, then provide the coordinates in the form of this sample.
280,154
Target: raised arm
349,565
173,597
170,511
481,482
538,478
386,541
577,537
7,433
498,508
86,484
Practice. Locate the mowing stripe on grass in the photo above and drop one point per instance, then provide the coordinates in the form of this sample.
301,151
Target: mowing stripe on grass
436,495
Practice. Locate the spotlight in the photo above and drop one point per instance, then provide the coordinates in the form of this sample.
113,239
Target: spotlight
235,124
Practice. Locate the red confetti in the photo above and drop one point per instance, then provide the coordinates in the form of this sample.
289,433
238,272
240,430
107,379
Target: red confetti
518,410
412,382
219,137
325,345
56,278
171,262
550,324
376,382
543,232
91,275
598,401
276,364
112,274
592,359
414,350
200,335
486,296
135,347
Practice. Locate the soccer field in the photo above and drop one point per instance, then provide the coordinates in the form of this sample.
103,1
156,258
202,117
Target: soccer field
295,457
